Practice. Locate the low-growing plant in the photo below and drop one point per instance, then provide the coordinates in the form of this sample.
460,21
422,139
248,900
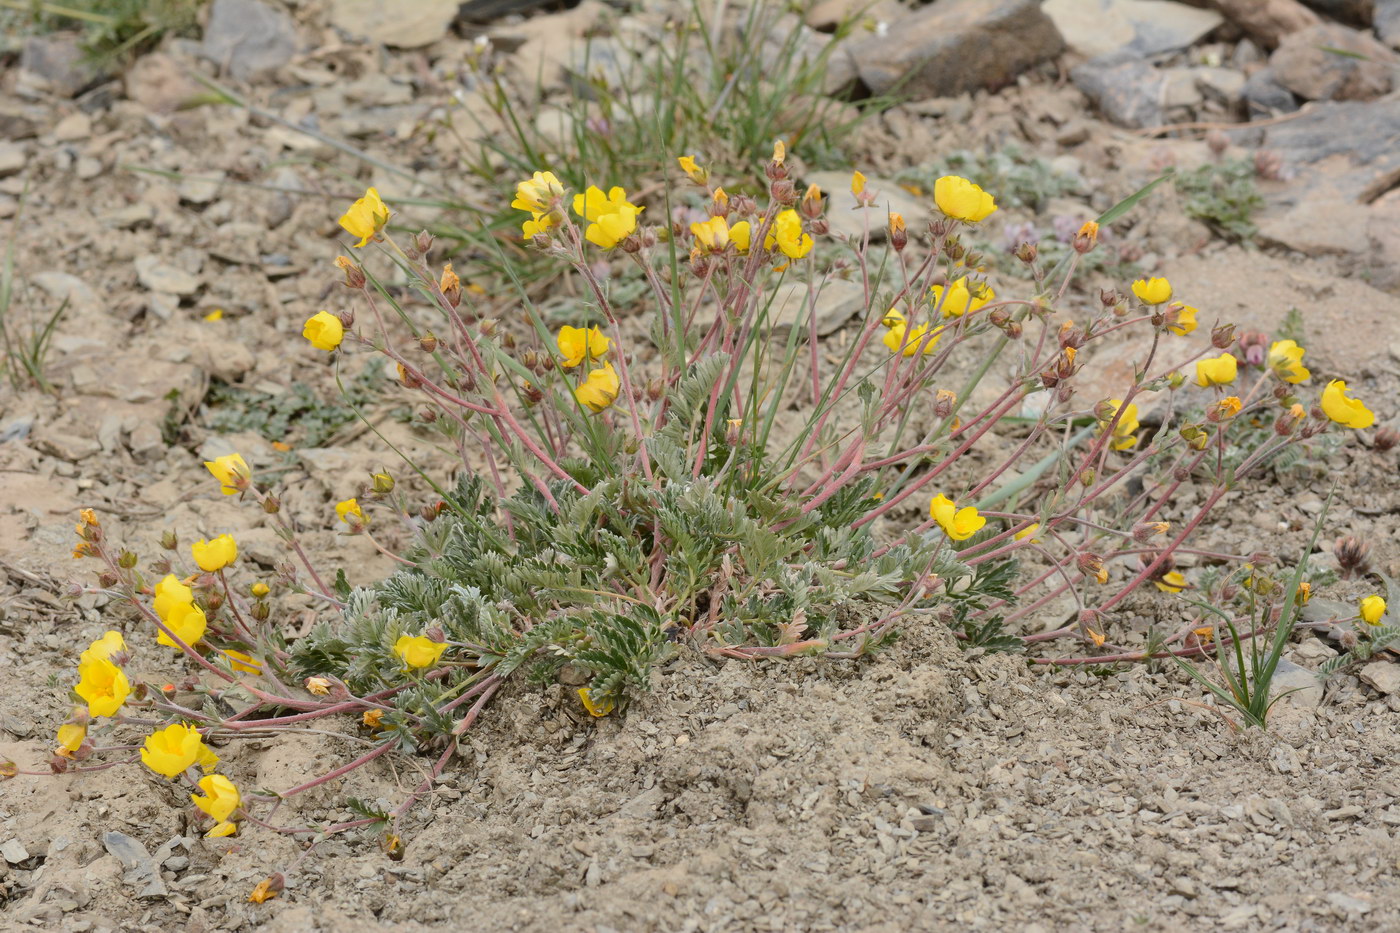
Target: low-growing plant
1223,195
25,340
711,476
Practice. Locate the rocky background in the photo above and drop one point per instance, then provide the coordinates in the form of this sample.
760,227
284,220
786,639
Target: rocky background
181,240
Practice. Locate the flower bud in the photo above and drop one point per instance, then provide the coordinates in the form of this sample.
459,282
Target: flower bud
733,432
126,560
1091,565
811,206
1144,531
943,402
782,191
1086,478
106,579
1087,237
1385,439
428,342
1064,393
1353,555
347,319
655,390
1108,297
381,483
270,505
260,611
423,241
354,275
1222,336
168,540
899,236
631,245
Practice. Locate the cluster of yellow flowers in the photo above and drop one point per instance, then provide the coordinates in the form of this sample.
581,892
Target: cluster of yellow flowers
178,747
577,345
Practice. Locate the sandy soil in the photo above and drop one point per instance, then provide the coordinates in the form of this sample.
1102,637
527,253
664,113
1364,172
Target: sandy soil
928,788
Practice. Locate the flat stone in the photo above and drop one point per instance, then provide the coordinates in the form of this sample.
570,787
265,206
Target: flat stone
13,851
837,302
64,286
393,22
1383,675
1304,64
957,46
1222,85
160,276
848,219
1142,27
13,157
140,867
75,126
201,189
1297,685
250,38
1265,97
1127,92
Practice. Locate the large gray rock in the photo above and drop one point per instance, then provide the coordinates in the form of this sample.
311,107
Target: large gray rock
957,46
1387,18
1128,93
248,37
1144,27
60,62
1306,65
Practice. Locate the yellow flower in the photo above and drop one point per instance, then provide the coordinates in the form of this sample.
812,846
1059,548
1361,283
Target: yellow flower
1125,431
1217,371
787,233
188,623
1286,361
599,390
216,315
857,184
418,651
960,299
697,173
216,554
449,281
170,592
259,590
960,199
343,511
266,890
1173,582
373,718
958,524
779,152
324,330
171,750
220,799
712,235
896,224
102,685
366,217
1304,593
537,225
538,193
1372,610
231,472
893,318
1026,532
580,343
103,648
611,229
898,342
1229,406
1089,231
611,217
318,686
70,738
242,662
596,708
739,235
1153,291
1348,412
1185,320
